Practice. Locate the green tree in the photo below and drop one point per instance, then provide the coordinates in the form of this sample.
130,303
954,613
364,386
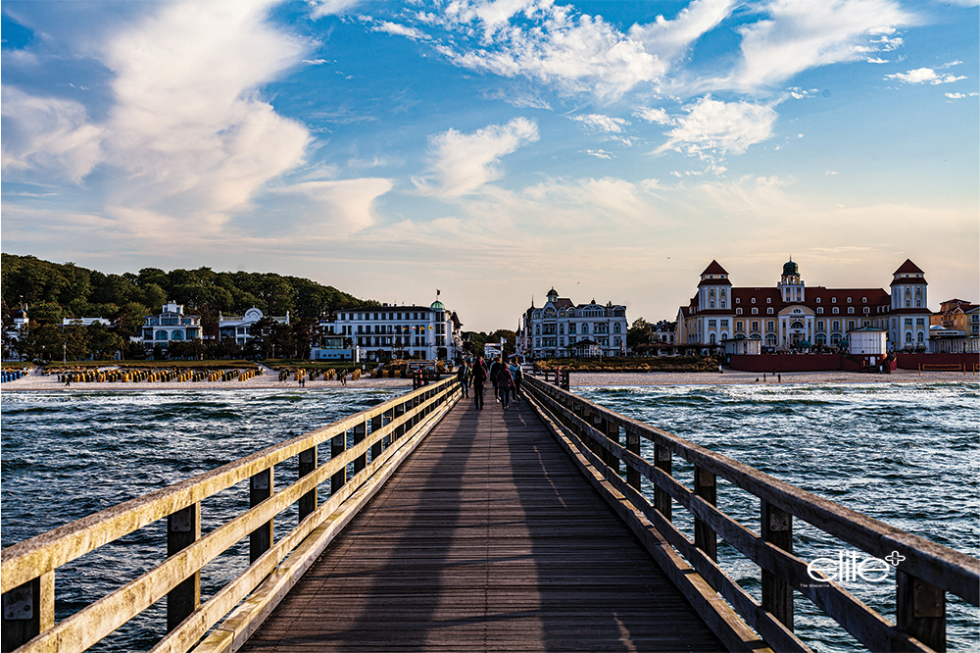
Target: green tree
103,343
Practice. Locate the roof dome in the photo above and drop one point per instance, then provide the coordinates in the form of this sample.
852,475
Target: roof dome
437,306
552,292
791,269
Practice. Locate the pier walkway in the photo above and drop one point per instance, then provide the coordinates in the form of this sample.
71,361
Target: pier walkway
487,538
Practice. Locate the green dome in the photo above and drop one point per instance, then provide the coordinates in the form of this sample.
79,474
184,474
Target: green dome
437,306
791,269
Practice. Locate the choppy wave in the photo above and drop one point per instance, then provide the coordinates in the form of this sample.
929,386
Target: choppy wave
66,456
905,454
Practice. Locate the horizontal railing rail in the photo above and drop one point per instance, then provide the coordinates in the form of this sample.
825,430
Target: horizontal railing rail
925,571
382,437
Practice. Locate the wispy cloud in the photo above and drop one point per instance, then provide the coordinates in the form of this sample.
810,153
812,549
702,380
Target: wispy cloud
321,8
715,127
658,116
924,76
800,34
601,154
400,30
600,123
463,163
48,135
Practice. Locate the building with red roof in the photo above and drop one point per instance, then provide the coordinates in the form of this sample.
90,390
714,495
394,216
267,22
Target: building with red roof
792,313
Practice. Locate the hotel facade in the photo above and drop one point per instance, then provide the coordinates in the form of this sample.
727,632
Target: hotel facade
561,328
388,331
791,313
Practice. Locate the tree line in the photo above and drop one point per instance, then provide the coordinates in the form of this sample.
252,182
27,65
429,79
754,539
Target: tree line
54,291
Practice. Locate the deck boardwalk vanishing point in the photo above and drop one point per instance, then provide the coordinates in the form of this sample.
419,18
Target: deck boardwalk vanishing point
487,538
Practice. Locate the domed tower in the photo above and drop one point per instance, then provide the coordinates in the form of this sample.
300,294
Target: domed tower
552,295
791,287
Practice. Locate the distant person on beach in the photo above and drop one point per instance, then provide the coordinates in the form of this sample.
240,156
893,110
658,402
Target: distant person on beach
505,382
479,380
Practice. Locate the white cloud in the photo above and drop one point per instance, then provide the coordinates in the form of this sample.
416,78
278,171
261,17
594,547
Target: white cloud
463,163
601,154
600,123
49,135
580,53
188,125
321,8
711,126
924,76
877,60
801,34
315,62
658,116
668,39
960,96
400,30
331,208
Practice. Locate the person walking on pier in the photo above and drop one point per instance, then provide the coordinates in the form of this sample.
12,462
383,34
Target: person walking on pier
479,380
505,382
494,369
518,376
463,374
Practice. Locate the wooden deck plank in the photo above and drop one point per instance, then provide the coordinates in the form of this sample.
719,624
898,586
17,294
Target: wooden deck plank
487,539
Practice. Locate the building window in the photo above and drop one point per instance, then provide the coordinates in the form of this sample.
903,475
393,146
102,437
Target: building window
738,300
820,310
738,311
864,300
850,310
848,300
867,310
835,310
833,300
753,300
755,311
769,311
712,324
818,300
908,321
920,321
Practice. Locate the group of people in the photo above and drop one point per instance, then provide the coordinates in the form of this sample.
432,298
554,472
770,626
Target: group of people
505,378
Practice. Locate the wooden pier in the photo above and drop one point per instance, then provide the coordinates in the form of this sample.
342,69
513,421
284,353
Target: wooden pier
424,524
487,539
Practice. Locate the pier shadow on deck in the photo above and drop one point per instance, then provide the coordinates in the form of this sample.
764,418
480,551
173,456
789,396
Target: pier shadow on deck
486,539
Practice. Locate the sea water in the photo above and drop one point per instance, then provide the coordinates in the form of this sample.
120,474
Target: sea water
904,454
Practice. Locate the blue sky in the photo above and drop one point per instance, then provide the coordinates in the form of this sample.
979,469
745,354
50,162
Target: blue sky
494,149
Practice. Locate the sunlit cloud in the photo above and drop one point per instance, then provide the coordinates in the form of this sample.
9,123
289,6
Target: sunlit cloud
600,123
463,163
711,126
321,8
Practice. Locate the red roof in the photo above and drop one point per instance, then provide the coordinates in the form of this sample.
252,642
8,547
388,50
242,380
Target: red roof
715,268
909,267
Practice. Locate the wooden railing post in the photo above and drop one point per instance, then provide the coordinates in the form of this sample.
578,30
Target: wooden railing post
260,489
662,459
28,611
307,463
360,432
183,529
705,487
633,446
338,445
777,594
399,412
377,423
920,610
611,430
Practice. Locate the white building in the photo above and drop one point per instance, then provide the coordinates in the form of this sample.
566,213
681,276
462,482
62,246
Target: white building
238,328
792,314
390,331
867,341
171,325
85,321
561,328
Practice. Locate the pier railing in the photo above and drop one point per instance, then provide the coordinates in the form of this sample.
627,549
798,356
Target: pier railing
604,442
382,437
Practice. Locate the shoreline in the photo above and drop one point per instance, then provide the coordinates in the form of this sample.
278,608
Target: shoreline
35,382
735,377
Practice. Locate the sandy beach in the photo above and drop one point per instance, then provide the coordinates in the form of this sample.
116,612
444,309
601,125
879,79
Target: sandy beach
269,379
37,382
